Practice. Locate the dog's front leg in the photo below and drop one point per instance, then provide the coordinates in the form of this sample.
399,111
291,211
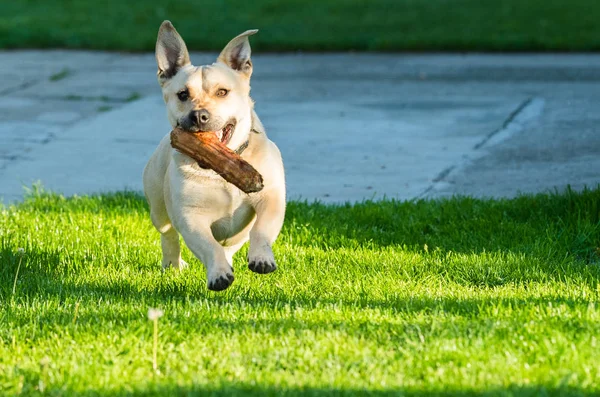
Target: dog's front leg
199,239
270,213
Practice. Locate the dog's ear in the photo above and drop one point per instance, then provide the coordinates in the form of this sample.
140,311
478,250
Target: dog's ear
236,53
171,52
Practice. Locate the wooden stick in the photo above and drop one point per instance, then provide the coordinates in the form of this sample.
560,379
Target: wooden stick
209,152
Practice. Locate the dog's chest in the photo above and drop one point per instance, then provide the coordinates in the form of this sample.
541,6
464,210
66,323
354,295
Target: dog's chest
201,191
231,213
228,229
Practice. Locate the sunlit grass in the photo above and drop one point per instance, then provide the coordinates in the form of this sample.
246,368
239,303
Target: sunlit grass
452,297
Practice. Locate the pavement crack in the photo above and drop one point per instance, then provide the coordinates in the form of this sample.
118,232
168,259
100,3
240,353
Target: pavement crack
511,117
445,172
528,110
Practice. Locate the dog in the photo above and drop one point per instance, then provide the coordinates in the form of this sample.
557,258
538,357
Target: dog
214,218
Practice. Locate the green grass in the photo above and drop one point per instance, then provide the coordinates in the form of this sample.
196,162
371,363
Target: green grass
452,297
313,25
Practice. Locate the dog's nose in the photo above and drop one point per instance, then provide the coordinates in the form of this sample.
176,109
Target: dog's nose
201,116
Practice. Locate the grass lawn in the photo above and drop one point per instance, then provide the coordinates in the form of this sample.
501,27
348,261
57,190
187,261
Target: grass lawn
312,25
453,297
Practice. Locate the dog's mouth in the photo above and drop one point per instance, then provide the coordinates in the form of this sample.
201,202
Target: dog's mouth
226,133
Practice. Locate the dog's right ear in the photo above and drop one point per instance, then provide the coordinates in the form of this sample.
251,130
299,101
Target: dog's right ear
171,52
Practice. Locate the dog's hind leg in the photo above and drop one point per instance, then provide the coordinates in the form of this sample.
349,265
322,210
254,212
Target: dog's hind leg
171,250
153,179
169,240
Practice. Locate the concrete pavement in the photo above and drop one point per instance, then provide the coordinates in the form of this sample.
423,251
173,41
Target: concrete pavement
350,126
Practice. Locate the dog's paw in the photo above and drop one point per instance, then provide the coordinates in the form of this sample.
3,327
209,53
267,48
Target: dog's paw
262,265
221,280
261,259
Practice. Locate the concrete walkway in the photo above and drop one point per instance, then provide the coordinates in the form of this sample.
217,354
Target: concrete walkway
350,127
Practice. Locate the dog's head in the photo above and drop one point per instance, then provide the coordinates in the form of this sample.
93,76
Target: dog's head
211,97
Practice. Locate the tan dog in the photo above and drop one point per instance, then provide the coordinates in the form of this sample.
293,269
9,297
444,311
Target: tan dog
214,217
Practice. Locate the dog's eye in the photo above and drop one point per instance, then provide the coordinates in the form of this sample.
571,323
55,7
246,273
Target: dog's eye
222,92
183,95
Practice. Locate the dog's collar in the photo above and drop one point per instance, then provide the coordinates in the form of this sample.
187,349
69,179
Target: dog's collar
244,145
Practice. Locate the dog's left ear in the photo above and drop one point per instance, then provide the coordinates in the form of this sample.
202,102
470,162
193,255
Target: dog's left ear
236,53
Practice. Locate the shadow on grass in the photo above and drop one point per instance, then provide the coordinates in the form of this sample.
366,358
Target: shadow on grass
32,381
569,221
233,389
